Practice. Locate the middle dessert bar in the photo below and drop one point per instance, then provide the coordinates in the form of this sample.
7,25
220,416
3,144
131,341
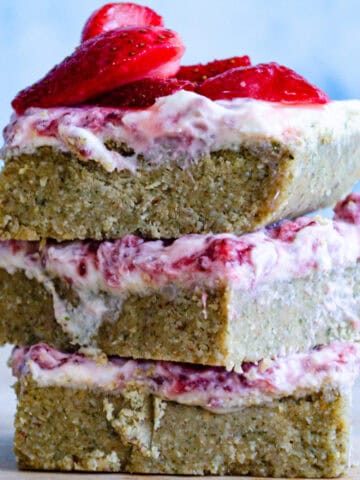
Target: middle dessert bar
209,299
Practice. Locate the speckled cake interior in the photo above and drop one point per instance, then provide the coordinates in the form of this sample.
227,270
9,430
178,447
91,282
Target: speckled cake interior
75,414
173,312
158,327
214,300
307,437
217,177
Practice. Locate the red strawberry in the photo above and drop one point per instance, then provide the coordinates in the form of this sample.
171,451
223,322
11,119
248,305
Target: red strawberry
116,15
199,73
266,81
141,94
104,63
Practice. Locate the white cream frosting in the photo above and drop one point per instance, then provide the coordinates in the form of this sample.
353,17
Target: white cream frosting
212,388
183,126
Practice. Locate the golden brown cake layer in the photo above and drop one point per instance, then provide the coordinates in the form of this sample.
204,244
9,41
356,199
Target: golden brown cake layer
238,326
185,165
208,299
52,194
59,428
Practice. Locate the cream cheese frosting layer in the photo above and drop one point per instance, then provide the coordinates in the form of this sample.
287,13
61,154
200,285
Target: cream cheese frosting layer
183,127
104,274
212,388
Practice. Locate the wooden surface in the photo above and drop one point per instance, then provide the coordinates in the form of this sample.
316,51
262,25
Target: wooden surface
9,471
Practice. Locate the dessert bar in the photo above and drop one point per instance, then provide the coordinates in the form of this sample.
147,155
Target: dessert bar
174,311
187,164
209,299
286,419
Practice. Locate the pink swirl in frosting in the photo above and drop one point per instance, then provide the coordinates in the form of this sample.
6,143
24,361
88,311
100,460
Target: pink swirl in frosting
212,388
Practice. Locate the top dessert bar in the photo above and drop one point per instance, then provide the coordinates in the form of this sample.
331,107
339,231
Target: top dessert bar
119,138
186,164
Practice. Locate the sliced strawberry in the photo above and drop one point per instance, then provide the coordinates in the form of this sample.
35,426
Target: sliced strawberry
141,94
266,81
104,63
116,15
199,73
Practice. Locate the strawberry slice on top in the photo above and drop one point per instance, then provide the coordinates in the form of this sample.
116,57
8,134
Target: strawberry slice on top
267,81
103,63
141,94
201,72
119,14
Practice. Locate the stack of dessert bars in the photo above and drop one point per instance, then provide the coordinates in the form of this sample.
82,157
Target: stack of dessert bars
161,324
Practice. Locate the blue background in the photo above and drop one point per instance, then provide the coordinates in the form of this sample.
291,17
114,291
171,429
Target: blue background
318,38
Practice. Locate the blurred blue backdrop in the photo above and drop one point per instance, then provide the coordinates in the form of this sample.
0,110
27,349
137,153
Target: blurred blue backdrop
320,39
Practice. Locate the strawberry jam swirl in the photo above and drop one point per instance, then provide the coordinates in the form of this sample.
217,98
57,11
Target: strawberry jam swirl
212,388
182,127
104,274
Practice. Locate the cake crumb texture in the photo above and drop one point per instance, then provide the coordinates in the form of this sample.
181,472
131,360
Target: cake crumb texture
226,191
176,324
61,428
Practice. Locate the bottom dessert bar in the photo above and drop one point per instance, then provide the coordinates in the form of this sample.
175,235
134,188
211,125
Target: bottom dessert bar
59,428
119,415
